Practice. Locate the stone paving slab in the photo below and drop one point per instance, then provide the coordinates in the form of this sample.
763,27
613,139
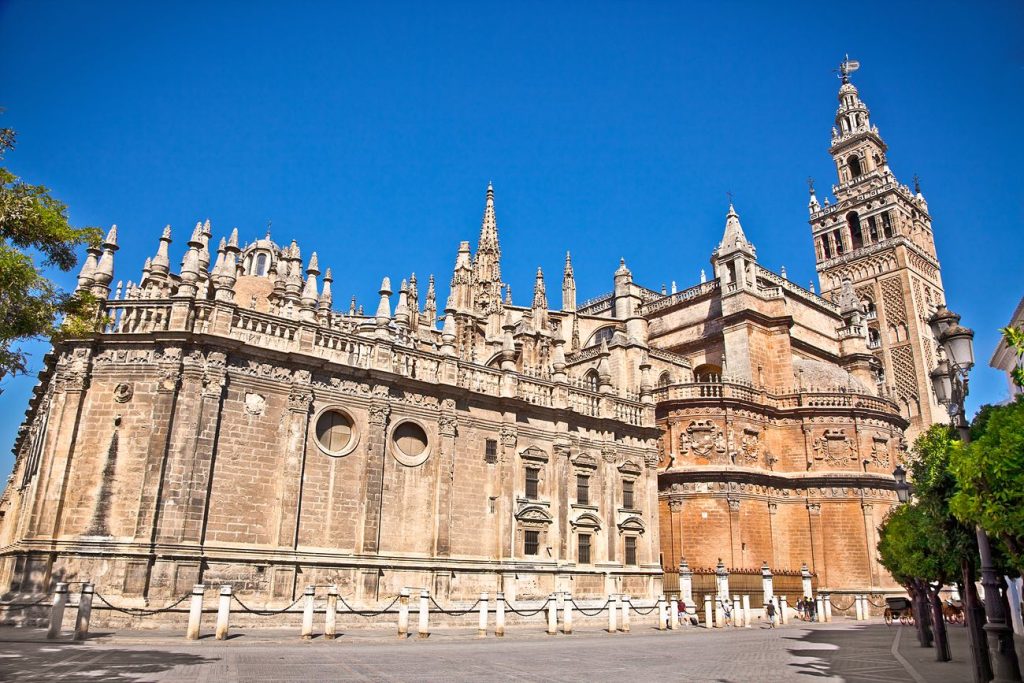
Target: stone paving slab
852,652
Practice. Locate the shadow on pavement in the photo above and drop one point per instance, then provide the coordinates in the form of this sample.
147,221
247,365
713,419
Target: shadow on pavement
74,661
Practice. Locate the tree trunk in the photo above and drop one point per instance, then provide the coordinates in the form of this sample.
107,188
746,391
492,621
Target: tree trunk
921,619
975,613
941,638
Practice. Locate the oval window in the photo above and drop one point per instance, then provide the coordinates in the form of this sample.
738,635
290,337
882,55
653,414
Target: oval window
335,432
410,443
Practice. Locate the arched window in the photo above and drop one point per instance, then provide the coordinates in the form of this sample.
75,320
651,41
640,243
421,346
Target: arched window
261,265
870,312
874,338
854,163
707,373
664,379
856,235
591,381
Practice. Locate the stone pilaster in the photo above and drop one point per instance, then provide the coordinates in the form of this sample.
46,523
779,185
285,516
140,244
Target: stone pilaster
447,428
818,562
295,427
373,480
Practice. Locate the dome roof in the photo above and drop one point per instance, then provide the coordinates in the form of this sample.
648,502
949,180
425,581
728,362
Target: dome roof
816,374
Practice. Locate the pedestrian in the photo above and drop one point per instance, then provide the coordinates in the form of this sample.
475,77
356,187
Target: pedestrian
769,609
727,612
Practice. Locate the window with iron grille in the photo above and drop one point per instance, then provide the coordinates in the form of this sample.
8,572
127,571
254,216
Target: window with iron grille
531,542
631,550
491,451
627,494
532,481
583,489
584,549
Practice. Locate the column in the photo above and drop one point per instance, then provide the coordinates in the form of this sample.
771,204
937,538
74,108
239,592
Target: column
686,584
735,533
818,562
766,583
373,479
447,426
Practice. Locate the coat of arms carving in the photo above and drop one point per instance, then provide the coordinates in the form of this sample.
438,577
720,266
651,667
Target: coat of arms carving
704,439
834,447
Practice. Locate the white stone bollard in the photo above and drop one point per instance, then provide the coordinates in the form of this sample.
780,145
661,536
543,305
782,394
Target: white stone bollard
223,613
858,608
783,606
737,613
746,611
611,614
567,614
707,612
552,615
84,611
499,619
719,611
625,604
673,614
819,608
331,615
195,612
662,613
403,613
423,630
481,630
60,600
309,595
827,599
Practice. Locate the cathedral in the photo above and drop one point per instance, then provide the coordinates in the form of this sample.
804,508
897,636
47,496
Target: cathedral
231,423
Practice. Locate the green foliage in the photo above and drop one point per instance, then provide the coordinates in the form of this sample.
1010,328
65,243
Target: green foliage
34,224
1014,338
923,540
990,477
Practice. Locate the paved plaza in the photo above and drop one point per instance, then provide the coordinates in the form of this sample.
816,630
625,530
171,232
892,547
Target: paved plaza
855,652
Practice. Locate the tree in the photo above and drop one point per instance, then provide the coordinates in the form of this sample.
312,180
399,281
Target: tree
34,226
990,477
1014,338
922,544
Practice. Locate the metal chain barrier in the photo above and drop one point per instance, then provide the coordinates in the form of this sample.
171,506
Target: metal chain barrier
841,609
594,613
141,611
15,607
367,613
266,612
526,614
455,613
641,612
871,602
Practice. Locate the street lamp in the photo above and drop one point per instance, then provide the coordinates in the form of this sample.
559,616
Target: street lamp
949,380
902,487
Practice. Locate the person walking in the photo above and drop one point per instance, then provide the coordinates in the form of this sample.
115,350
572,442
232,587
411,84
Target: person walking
769,609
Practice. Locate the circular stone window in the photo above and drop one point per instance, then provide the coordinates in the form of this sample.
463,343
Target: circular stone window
335,432
409,443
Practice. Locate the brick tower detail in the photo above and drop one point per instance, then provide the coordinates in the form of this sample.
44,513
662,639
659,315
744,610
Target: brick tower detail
878,235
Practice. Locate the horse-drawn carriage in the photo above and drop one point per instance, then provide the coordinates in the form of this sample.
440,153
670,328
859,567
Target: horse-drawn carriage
898,609
953,611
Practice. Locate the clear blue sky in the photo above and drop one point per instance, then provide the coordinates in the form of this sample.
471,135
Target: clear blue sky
369,133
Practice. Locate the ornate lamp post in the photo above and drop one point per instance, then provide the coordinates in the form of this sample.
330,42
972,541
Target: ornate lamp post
902,487
950,383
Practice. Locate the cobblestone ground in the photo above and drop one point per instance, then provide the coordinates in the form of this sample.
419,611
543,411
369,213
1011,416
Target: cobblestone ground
842,651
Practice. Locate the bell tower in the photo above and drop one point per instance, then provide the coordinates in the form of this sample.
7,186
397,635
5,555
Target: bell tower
878,234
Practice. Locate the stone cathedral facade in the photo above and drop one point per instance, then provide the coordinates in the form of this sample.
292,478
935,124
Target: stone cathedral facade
228,422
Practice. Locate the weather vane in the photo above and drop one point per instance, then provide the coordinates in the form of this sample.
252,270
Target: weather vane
810,183
729,195
846,68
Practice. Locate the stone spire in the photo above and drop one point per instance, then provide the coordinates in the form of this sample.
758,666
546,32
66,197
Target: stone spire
402,315
850,307
204,253
190,265
568,286
104,273
225,277
734,240
540,302
162,262
384,307
487,263
430,308
325,295
813,206
462,280
448,331
85,276
414,303
310,295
